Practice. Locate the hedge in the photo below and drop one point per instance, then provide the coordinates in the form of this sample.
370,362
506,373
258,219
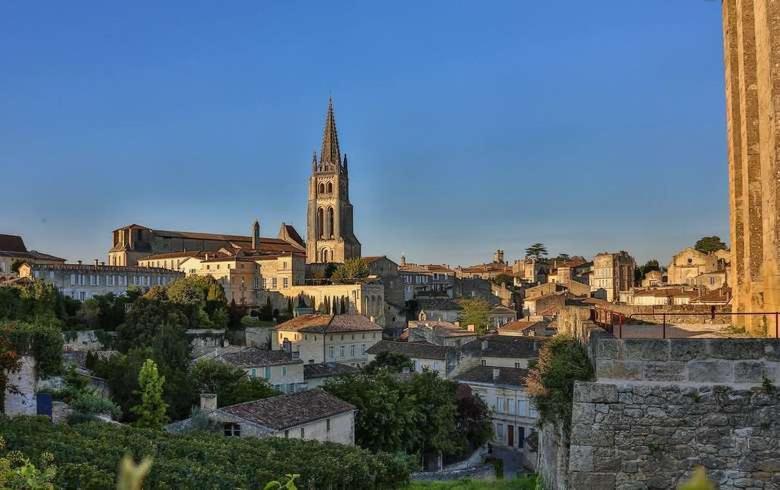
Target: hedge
87,456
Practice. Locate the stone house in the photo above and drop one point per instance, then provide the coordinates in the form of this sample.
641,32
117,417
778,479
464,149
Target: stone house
13,250
488,271
82,281
528,328
440,333
316,375
501,315
441,359
309,415
689,263
529,271
281,369
430,279
438,309
612,273
318,338
500,351
546,305
512,412
653,279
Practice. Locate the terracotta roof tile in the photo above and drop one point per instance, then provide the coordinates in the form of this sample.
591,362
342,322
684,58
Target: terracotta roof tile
320,323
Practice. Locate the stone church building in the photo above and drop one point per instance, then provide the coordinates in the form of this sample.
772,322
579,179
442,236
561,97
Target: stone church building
330,235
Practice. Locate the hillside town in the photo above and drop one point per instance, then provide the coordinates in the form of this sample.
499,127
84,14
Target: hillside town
287,358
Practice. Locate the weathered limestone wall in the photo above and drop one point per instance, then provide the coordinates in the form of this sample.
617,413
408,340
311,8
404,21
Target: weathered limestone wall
661,407
751,33
553,463
21,400
710,361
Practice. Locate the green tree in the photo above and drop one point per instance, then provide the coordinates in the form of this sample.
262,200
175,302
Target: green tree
9,363
536,251
351,269
144,321
392,361
504,279
475,312
562,361
230,384
473,423
709,244
151,411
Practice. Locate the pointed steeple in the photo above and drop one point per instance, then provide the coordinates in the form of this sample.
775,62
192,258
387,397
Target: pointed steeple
346,167
314,162
330,140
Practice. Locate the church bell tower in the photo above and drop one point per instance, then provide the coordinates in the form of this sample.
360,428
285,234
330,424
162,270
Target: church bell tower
330,237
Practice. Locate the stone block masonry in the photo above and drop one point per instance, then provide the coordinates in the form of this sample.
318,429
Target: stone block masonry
636,436
659,408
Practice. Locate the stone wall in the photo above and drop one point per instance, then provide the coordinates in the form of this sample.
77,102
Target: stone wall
637,436
19,397
661,407
553,463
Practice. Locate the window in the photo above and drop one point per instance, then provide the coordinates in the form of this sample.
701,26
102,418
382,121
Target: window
273,283
267,372
522,407
362,349
341,351
285,282
232,430
73,279
287,434
303,433
352,350
510,406
254,372
327,425
517,365
331,352
284,370
500,432
484,362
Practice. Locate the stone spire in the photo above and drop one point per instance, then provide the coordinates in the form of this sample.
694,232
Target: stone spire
330,153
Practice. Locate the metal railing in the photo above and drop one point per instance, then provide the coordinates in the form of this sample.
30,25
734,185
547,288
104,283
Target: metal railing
618,319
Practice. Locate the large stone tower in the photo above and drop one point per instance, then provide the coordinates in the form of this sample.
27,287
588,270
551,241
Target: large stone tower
329,233
751,36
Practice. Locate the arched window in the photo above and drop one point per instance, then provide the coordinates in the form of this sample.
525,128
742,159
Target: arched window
330,223
324,255
322,188
320,223
330,188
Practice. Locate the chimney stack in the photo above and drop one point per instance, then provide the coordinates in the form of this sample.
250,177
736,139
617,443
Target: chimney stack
403,260
79,262
208,402
96,262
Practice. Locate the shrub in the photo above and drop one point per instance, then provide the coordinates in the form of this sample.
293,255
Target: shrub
87,456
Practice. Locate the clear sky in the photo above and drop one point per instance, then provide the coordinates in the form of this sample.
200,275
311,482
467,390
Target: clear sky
469,126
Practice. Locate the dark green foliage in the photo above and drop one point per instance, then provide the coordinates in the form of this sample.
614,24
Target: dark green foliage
41,340
230,384
392,361
709,244
504,279
536,251
350,270
144,321
416,415
475,312
87,456
266,311
473,424
562,361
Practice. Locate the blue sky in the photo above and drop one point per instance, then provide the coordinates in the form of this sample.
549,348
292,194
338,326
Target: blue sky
469,126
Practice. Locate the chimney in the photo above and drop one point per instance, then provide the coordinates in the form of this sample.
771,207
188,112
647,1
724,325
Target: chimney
79,262
102,263
96,262
496,373
208,402
403,260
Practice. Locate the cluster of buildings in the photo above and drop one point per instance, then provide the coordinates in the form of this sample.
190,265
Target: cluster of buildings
339,326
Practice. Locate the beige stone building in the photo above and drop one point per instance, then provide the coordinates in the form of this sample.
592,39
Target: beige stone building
653,279
134,242
281,369
321,338
329,228
612,273
426,279
313,415
689,263
361,298
486,271
13,251
83,281
752,72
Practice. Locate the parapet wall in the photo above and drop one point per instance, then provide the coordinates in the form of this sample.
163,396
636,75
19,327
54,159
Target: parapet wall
659,408
711,361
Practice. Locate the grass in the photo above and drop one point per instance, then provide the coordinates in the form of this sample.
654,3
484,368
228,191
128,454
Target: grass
522,483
